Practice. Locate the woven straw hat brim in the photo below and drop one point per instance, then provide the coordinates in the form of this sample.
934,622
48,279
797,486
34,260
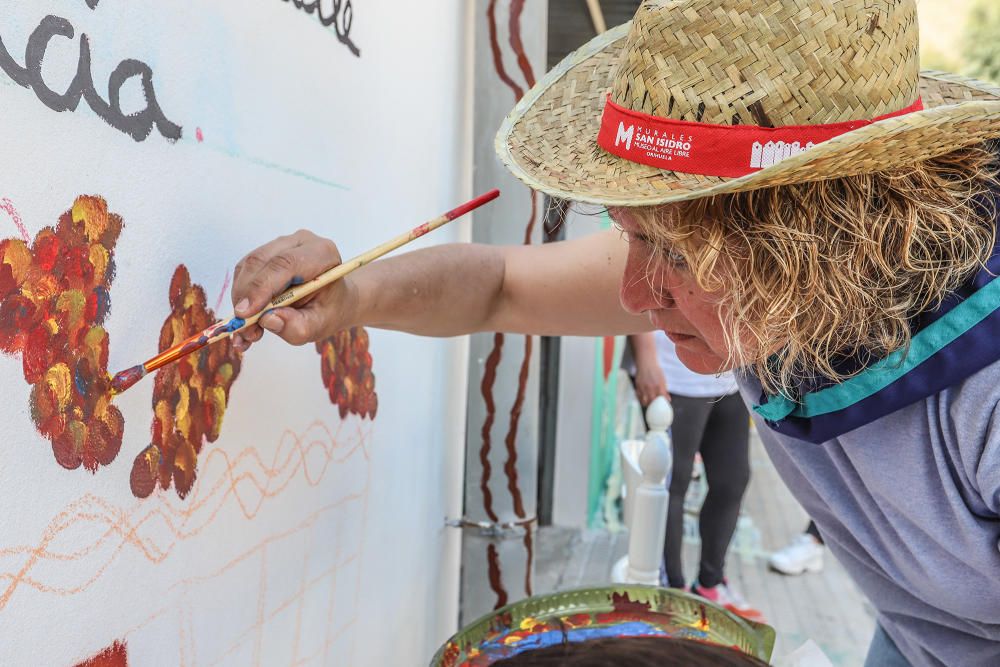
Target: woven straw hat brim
549,140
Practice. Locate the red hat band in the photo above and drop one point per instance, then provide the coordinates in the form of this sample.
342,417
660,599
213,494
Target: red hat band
704,149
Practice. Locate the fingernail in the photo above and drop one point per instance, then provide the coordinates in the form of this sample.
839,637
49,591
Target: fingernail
239,343
272,323
241,307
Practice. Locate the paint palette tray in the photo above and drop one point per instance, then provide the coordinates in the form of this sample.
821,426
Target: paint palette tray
592,613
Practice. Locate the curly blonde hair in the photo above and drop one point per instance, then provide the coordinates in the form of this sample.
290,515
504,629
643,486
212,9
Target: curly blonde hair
832,269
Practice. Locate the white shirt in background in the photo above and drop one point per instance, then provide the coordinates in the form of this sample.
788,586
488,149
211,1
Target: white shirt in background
685,382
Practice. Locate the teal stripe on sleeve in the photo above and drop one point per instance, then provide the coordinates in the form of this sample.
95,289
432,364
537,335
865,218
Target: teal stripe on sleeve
925,344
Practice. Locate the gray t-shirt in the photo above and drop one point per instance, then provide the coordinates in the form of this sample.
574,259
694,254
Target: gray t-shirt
910,505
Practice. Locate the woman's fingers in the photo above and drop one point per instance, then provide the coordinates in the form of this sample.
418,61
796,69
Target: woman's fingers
272,268
244,339
650,383
296,326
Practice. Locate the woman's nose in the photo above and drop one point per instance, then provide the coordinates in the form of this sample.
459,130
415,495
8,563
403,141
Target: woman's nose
643,286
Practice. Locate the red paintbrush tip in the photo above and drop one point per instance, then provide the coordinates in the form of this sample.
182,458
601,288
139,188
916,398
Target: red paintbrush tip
472,205
124,380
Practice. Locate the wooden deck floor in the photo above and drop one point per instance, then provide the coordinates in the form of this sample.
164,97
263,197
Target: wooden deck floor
824,607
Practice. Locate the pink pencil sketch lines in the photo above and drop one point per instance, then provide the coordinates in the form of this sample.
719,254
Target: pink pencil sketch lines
7,206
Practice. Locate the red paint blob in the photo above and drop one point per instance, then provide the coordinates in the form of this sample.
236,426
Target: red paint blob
115,655
54,296
190,395
346,370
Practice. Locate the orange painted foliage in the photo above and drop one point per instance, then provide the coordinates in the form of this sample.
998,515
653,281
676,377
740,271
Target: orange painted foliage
115,655
347,372
54,298
189,396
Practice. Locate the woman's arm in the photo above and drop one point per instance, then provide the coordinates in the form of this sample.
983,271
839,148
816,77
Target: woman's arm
567,288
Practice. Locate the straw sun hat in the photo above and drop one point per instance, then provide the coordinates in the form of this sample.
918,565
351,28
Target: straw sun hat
702,97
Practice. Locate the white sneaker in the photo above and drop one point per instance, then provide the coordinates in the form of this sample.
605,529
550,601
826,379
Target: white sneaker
803,554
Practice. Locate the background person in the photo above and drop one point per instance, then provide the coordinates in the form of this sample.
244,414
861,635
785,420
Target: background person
710,418
803,554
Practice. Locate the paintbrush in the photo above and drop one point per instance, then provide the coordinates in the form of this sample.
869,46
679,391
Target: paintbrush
222,329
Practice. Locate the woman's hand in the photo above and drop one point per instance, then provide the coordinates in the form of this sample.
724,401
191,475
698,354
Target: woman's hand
650,382
270,270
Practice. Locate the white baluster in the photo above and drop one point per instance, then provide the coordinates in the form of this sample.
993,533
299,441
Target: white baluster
649,511
659,416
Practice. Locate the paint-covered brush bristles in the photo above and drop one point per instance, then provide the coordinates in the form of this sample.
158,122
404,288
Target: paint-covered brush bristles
220,330
125,379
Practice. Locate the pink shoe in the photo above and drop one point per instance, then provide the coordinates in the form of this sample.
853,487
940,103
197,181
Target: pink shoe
729,599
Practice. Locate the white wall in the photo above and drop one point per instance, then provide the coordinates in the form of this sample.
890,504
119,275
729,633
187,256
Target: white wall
306,537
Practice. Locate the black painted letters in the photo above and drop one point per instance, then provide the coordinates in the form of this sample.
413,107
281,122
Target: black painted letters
340,19
138,125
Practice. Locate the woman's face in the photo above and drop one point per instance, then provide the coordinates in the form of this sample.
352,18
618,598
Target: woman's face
669,295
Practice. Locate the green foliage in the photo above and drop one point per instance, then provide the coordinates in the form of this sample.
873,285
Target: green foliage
982,41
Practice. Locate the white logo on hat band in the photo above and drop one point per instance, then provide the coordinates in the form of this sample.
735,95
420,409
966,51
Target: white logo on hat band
625,135
771,153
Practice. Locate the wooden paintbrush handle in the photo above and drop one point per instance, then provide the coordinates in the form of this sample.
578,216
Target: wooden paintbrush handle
299,292
127,378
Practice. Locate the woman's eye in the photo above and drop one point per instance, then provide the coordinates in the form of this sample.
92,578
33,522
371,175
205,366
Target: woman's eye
676,258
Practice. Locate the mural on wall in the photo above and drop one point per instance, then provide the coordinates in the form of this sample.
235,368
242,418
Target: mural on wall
115,655
347,372
54,298
189,396
335,14
508,359
226,508
339,17
243,485
138,125
493,361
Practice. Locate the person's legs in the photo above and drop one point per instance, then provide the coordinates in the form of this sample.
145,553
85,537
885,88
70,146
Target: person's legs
690,416
882,652
725,451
